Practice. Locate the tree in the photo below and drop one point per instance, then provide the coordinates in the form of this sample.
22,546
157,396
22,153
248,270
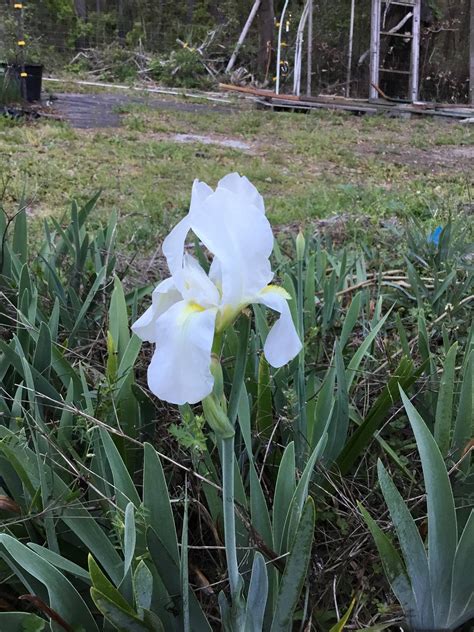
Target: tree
471,56
81,9
266,18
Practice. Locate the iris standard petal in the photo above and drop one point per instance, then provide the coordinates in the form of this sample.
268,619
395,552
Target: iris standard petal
179,372
241,186
215,274
240,237
196,284
173,245
164,295
282,343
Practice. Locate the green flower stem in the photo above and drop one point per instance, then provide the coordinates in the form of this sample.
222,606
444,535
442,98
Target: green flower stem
227,456
301,431
217,343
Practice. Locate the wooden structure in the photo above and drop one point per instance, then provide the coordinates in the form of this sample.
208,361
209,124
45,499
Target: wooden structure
406,30
272,100
410,19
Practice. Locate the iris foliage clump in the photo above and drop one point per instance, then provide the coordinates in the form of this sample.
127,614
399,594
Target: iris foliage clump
263,507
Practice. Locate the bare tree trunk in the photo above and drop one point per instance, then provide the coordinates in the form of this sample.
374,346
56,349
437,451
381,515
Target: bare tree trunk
190,11
81,9
471,56
121,20
267,34
81,12
159,23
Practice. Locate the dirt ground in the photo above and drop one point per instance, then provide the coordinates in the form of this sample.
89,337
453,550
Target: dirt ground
102,110
434,160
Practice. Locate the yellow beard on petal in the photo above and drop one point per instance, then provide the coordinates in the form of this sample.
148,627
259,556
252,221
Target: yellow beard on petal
191,308
228,313
195,307
277,290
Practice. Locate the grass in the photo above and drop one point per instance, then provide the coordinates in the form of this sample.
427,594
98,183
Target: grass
306,166
9,89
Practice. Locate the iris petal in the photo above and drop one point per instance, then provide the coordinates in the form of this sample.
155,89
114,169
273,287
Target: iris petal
173,245
196,285
163,297
282,343
180,372
241,239
241,186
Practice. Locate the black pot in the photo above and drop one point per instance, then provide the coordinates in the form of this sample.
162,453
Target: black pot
31,86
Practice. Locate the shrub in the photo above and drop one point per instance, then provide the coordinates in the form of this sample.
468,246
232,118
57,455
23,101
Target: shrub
182,68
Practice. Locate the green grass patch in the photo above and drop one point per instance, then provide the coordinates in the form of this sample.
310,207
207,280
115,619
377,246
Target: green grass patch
306,166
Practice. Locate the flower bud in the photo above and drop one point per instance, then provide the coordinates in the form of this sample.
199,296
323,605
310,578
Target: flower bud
216,417
300,246
216,370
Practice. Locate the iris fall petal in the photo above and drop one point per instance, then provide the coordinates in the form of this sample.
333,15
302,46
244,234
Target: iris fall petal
282,343
180,372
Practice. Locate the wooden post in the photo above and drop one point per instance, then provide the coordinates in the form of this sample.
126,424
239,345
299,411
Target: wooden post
309,68
243,35
471,56
415,52
349,52
20,37
374,49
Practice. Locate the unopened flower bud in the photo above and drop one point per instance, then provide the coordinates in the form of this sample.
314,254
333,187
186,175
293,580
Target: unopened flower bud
216,370
300,246
217,418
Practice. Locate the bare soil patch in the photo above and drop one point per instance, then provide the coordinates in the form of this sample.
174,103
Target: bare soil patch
432,160
95,111
220,140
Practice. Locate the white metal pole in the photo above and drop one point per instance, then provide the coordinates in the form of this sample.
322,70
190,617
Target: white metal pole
309,67
243,35
415,52
280,31
299,50
374,48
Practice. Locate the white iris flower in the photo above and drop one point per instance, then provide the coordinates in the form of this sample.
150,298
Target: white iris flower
190,307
